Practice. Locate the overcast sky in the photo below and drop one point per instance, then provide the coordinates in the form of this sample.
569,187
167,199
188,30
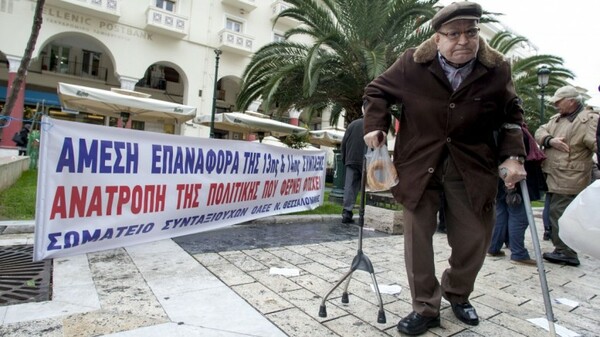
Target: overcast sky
568,29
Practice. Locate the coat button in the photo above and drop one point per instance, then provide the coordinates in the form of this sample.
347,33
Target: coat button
448,140
430,170
452,105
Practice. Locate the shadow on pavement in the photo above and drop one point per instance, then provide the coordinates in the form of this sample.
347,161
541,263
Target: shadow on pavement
251,236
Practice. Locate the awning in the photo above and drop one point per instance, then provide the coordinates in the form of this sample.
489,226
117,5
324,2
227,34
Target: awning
331,137
249,123
33,97
115,101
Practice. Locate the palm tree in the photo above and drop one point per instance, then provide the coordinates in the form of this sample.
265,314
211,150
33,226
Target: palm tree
353,42
16,85
525,74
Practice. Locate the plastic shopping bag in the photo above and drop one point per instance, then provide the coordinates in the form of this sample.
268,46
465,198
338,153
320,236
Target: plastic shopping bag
381,173
580,223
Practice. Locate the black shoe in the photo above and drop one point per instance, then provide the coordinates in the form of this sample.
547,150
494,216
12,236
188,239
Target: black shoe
547,236
556,257
465,313
415,324
496,254
347,217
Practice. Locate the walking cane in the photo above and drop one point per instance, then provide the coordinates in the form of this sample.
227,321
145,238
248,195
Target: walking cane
538,258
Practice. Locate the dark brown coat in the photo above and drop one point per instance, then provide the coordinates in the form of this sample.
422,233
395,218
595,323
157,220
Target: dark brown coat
466,123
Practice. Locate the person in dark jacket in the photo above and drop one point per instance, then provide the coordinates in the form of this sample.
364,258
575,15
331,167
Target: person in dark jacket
511,216
461,117
22,139
353,154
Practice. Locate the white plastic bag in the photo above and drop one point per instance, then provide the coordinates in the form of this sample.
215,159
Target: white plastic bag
381,172
580,223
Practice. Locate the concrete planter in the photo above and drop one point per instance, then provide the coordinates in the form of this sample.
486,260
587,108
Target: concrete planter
384,220
11,169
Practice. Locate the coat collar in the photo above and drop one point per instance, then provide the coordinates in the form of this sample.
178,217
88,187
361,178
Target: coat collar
486,55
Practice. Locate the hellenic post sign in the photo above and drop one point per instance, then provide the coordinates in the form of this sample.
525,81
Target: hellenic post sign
101,188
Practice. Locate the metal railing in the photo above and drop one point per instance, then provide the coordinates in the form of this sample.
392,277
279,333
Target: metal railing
73,68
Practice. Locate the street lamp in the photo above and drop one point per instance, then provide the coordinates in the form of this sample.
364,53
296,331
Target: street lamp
543,74
218,53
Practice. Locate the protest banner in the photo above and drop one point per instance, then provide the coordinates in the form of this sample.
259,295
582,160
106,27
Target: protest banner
103,187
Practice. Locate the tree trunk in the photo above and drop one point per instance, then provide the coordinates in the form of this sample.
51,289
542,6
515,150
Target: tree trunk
16,85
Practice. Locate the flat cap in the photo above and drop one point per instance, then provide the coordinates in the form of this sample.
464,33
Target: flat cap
463,10
564,92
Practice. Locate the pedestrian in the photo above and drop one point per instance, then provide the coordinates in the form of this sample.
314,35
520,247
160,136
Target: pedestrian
353,153
511,216
461,117
569,141
21,139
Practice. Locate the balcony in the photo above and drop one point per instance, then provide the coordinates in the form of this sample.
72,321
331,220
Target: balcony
107,9
245,5
236,42
166,23
71,67
279,6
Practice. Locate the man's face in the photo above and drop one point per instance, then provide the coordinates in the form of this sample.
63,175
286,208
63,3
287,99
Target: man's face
462,48
565,106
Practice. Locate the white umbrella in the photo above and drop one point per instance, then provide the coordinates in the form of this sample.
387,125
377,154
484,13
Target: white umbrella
270,140
246,123
112,103
331,137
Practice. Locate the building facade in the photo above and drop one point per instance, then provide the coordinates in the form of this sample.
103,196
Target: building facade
165,48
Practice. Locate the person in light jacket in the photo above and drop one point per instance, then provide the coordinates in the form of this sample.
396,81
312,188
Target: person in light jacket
569,141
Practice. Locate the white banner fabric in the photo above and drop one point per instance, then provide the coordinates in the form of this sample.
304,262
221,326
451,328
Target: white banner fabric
103,187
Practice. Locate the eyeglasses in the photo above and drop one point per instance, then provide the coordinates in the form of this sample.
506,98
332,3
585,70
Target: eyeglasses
454,35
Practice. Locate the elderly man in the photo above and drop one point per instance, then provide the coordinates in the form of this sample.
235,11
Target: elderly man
569,141
461,118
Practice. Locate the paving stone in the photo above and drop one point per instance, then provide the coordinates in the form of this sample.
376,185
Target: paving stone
368,312
277,283
582,325
262,298
317,285
310,303
209,259
291,256
104,322
294,322
505,295
493,330
300,249
322,271
45,328
516,326
243,261
350,325
230,274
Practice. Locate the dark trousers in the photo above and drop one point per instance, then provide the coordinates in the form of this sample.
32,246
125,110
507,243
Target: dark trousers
351,186
546,213
468,233
558,204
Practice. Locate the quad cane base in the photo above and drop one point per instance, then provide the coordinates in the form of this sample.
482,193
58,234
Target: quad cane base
360,262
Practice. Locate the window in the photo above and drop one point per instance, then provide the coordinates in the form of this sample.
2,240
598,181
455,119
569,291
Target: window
59,59
90,64
278,37
168,5
233,25
138,125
